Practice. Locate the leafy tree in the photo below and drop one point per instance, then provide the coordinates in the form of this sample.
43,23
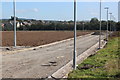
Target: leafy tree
118,26
93,24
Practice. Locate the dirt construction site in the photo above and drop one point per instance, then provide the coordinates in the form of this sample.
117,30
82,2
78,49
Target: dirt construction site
36,38
42,62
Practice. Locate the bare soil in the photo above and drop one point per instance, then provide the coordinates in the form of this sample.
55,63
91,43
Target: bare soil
36,38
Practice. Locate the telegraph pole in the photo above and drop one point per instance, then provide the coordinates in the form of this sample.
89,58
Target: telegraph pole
74,52
107,23
14,12
100,27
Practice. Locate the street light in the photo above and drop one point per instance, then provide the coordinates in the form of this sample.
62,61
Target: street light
74,52
100,28
110,21
83,25
14,12
114,20
107,23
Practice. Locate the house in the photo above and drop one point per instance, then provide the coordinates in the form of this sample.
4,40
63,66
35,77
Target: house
26,23
18,24
2,25
9,24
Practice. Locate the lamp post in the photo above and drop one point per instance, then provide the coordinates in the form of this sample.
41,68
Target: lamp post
110,21
114,20
14,12
107,23
100,28
83,26
74,52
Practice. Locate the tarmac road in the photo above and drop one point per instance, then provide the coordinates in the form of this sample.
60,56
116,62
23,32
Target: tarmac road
42,62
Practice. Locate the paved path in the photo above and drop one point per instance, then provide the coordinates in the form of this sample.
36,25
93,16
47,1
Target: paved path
43,61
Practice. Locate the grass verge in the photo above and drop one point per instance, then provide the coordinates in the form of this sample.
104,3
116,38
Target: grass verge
105,64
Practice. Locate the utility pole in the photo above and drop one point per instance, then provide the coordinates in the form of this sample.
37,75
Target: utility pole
74,52
107,23
14,12
100,28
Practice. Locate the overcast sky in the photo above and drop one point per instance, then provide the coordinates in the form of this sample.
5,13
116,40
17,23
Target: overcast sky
58,10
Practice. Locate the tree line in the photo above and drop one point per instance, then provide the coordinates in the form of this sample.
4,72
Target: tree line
93,24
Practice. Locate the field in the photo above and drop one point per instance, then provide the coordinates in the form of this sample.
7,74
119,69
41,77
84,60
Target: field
36,38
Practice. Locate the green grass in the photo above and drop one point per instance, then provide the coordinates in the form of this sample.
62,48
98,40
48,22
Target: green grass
103,65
